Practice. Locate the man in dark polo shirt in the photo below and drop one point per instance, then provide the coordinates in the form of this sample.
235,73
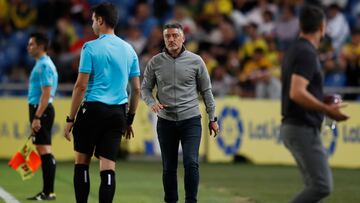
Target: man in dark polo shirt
303,109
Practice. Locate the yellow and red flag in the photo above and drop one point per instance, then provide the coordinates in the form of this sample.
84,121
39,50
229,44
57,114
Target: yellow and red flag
26,161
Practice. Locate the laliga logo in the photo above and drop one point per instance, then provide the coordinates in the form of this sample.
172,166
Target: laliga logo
231,130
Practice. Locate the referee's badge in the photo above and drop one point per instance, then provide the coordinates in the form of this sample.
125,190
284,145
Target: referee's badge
83,110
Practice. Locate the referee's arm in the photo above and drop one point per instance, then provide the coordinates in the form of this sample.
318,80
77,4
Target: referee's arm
44,100
76,99
78,93
135,94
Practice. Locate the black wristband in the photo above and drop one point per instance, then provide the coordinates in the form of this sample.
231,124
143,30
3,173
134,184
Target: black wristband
211,121
130,118
37,117
69,120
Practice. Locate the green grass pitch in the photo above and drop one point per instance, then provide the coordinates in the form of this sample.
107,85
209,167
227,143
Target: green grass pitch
140,182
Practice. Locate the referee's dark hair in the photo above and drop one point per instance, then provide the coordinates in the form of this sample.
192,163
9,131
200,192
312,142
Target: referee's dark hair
40,39
108,12
311,19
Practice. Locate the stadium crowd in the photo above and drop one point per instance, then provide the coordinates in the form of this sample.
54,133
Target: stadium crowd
241,41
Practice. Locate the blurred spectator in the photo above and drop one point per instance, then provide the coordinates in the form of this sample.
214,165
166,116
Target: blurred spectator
4,11
218,7
209,60
274,56
221,82
87,35
350,58
287,28
22,14
80,11
153,47
337,26
162,9
67,29
340,3
156,39
135,37
257,75
268,27
144,19
50,11
238,15
232,63
181,16
253,41
226,41
256,14
214,12
334,76
224,32
194,7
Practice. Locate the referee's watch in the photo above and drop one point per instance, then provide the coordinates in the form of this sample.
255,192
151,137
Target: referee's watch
69,120
214,120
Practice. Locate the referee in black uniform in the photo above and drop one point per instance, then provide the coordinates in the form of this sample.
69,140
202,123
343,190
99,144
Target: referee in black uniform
303,109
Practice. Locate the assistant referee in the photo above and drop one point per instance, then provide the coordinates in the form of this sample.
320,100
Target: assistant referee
43,82
99,98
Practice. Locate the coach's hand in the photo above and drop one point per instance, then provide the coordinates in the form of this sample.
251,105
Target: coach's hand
129,133
35,125
67,131
157,107
214,127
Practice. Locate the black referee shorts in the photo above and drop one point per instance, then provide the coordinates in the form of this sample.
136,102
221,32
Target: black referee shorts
98,128
43,136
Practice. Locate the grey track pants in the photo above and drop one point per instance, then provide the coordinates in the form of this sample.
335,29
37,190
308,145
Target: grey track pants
305,145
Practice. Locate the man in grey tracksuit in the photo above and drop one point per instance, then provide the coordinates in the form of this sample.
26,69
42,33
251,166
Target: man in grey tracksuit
179,75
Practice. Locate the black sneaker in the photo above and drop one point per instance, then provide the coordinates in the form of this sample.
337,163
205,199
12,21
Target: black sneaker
42,196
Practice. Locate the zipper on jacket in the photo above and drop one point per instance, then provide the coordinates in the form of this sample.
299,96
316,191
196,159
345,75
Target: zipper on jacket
176,110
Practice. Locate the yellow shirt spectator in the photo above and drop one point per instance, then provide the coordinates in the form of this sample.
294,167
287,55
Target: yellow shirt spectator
256,66
249,47
218,6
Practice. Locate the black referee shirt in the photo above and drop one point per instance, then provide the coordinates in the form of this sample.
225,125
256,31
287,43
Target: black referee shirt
301,59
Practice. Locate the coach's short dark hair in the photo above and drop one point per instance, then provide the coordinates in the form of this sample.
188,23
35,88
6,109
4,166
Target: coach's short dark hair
40,39
174,25
108,12
311,18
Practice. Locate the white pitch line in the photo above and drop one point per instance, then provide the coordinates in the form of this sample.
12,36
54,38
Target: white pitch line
7,197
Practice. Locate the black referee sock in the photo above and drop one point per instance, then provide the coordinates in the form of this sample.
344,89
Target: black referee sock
107,186
48,167
81,182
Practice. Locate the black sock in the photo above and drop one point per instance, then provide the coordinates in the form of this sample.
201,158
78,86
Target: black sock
48,167
81,182
107,186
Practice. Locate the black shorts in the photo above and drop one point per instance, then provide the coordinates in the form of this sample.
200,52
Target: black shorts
43,136
98,128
